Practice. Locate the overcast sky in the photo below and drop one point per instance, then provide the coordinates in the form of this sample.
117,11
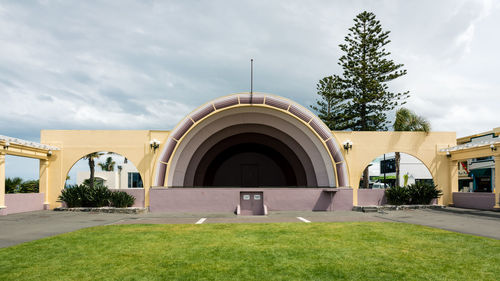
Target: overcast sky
146,64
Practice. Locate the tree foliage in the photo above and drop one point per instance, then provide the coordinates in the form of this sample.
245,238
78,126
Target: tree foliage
331,103
108,165
360,98
12,185
17,185
91,157
407,120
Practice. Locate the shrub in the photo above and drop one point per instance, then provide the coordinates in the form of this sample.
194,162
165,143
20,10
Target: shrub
397,195
121,199
414,194
84,196
73,195
423,193
98,196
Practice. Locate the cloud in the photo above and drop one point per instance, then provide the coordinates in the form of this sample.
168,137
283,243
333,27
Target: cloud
146,64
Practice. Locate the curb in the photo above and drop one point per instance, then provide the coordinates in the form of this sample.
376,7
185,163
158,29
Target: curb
130,210
370,209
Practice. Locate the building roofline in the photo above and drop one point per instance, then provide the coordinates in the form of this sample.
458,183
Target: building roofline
466,139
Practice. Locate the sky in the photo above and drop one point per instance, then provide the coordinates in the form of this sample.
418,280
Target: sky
146,64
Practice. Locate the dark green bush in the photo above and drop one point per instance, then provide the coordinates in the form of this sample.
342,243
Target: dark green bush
98,196
84,196
121,199
420,193
423,193
397,195
74,195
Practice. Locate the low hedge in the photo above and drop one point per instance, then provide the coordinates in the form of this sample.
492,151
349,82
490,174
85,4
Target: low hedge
99,196
420,193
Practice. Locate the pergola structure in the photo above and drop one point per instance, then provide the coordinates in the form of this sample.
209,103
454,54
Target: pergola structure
24,148
476,150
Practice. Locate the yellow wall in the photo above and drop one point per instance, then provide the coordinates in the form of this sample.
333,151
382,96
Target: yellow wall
75,144
135,146
369,145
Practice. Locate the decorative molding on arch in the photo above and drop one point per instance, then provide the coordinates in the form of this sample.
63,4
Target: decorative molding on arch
281,104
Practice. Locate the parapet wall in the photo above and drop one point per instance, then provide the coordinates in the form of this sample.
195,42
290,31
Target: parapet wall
227,199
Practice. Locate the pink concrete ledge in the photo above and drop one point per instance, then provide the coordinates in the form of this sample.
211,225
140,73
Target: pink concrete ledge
227,199
474,200
371,197
138,193
22,202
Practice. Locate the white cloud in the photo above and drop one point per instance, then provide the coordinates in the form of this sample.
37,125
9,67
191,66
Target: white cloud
92,65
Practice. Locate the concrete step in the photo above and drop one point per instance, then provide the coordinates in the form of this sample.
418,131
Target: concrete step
370,209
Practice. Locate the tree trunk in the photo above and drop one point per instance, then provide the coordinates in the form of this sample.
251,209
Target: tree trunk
397,160
91,166
366,178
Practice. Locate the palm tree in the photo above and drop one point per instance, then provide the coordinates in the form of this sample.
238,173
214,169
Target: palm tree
91,157
407,120
109,165
12,185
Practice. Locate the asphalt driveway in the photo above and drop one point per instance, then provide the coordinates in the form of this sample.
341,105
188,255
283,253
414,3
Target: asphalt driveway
19,228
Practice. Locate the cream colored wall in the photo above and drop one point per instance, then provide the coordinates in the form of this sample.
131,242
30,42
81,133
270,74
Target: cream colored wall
369,145
135,146
74,144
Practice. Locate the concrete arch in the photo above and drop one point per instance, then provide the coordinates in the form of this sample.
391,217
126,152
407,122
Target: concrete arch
251,128
368,145
287,116
324,170
278,165
77,143
89,151
360,174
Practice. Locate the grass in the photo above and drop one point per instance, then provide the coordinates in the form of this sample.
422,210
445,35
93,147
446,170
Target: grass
316,251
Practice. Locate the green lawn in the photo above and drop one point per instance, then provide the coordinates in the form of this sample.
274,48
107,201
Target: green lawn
298,251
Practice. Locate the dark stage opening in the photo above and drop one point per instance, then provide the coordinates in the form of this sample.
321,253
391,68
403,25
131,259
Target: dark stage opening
250,160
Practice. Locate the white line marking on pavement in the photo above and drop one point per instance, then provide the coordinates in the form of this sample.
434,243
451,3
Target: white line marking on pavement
304,220
201,221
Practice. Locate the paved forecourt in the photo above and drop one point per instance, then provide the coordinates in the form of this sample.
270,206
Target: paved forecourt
19,228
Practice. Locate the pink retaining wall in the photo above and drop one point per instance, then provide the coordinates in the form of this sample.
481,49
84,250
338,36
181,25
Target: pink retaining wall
226,199
370,197
474,200
138,193
23,202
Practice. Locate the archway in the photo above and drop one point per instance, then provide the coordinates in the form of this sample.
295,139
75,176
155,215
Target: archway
111,169
382,171
311,142
382,175
250,159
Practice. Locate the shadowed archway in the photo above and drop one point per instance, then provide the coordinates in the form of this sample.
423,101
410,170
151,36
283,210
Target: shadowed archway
250,159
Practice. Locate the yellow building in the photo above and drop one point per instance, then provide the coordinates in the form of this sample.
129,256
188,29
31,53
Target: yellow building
247,150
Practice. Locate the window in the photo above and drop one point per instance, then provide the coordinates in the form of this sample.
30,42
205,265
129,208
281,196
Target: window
482,159
134,180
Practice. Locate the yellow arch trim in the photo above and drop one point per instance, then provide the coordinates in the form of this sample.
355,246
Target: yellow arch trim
263,105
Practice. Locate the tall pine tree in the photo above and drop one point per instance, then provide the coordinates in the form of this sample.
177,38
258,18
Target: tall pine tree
331,103
361,99
366,71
